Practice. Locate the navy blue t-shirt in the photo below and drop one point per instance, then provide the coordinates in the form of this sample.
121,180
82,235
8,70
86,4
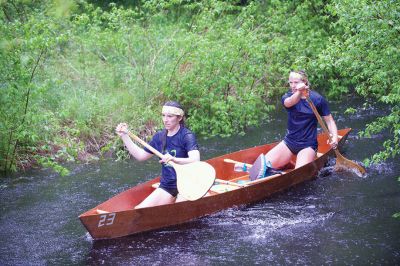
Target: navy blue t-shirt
302,123
177,145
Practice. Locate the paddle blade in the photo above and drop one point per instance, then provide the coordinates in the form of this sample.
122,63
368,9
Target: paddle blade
259,168
343,164
194,179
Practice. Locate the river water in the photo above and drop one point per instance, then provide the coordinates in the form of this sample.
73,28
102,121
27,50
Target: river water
335,219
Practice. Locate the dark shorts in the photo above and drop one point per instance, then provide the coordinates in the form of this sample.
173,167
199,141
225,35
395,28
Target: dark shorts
295,149
172,191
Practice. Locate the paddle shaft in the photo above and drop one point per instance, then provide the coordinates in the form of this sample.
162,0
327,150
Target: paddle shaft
145,144
319,118
321,122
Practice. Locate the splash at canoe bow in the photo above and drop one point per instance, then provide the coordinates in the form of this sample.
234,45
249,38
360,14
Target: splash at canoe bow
117,217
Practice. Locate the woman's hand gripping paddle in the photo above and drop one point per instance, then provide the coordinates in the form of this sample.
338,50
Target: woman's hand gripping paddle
256,170
193,179
341,162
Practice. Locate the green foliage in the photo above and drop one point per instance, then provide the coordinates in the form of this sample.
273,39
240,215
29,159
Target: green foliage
72,70
365,56
392,145
350,111
25,46
50,163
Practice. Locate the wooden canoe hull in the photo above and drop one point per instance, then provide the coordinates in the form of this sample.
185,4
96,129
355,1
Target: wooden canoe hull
116,216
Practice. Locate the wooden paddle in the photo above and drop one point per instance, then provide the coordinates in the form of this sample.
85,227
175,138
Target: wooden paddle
341,162
193,179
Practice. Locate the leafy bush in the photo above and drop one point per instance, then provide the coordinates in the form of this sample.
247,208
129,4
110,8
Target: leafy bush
365,56
72,70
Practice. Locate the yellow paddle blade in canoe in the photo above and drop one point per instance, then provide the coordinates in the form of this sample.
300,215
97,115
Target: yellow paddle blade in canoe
194,179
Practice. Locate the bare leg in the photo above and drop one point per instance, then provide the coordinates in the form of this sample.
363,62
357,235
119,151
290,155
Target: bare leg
279,155
157,197
305,156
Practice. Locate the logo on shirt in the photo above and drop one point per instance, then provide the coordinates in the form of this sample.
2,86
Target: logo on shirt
173,153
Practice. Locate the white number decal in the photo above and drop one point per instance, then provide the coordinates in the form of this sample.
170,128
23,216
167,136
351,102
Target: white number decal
106,219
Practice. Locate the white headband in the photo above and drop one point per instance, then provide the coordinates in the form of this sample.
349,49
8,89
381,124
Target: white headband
172,110
296,75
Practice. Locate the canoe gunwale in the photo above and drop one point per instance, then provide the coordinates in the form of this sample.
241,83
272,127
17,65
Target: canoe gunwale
131,221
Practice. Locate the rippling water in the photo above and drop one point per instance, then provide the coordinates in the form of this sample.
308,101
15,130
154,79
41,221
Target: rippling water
335,219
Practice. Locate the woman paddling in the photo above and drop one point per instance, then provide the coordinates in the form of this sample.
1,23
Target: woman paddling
301,135
177,144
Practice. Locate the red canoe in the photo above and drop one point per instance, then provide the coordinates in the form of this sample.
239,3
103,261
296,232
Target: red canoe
117,217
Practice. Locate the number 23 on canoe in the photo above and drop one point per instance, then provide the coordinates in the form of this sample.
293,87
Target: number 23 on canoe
193,179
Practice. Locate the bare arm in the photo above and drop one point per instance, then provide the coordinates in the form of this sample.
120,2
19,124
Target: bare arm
134,150
332,130
296,96
292,100
194,156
